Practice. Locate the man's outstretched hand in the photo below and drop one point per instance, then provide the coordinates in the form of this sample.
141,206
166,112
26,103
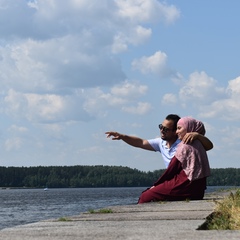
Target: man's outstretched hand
114,135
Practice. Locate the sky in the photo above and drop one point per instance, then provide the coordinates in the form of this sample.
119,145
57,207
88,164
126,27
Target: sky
72,70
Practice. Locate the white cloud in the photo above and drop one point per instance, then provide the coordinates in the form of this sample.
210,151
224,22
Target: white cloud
136,36
13,143
14,103
203,93
57,64
169,99
119,97
119,44
15,128
226,137
45,107
78,106
227,108
234,87
34,106
66,46
155,64
141,108
140,35
129,89
200,88
147,11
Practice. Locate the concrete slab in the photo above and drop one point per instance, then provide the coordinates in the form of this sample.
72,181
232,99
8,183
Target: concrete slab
168,220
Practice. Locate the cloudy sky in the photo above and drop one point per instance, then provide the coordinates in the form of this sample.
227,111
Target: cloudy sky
72,70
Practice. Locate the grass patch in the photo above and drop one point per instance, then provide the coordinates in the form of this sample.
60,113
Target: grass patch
103,210
226,215
64,219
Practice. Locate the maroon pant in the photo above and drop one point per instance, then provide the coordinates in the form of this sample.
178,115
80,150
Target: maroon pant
174,185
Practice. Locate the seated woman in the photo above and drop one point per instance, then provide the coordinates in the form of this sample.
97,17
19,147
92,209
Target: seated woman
185,177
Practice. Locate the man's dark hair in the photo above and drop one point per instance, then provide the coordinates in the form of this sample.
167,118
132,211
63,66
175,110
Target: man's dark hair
174,118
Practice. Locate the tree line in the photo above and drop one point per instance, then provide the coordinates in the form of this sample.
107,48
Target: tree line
97,176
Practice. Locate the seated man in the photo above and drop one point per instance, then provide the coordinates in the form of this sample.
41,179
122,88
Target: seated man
167,143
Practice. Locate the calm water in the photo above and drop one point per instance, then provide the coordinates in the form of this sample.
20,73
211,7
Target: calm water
21,206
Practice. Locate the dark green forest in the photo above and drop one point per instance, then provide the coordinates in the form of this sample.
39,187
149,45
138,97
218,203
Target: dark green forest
97,176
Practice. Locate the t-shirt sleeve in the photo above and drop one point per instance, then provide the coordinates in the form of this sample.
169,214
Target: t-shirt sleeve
155,143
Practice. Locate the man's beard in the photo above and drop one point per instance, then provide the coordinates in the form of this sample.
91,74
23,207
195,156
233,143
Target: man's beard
163,137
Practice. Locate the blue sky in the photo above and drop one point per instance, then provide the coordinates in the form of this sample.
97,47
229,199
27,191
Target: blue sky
72,70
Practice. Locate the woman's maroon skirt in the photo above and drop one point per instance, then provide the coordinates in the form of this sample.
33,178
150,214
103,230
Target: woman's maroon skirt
174,185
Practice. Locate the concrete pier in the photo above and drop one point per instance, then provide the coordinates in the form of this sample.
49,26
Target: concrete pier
168,220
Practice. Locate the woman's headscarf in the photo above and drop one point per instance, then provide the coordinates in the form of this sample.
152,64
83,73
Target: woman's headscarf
192,125
193,156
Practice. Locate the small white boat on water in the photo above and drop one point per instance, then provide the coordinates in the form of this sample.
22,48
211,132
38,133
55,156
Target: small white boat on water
45,189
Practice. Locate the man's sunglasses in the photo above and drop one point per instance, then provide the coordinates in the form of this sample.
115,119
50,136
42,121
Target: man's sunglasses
164,129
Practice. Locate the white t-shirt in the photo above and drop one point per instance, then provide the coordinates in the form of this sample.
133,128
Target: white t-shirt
159,145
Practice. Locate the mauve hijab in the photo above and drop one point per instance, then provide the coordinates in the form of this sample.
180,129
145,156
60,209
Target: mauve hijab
192,125
193,157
